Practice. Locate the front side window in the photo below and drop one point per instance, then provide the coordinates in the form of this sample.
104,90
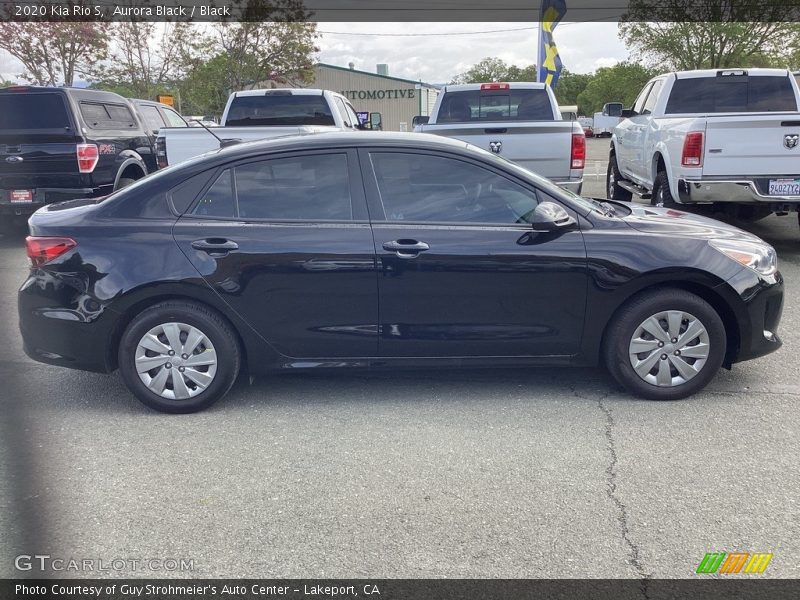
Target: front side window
652,97
437,189
639,104
152,118
173,118
308,188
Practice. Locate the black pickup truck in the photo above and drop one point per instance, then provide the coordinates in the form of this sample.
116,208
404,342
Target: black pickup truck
65,143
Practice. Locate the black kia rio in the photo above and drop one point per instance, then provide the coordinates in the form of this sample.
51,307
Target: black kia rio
385,250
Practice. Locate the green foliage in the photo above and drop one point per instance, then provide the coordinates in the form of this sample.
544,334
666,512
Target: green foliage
495,69
620,83
569,87
698,34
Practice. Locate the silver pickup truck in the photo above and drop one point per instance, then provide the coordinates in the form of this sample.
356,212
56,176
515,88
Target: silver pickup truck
518,121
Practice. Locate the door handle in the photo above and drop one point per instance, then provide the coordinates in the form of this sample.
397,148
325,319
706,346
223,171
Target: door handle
215,246
406,248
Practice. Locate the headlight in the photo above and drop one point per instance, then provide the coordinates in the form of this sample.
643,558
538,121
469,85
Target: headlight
760,257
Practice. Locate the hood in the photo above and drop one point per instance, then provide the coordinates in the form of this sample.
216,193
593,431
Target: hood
668,221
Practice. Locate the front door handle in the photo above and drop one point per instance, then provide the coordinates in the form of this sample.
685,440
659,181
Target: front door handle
215,246
406,248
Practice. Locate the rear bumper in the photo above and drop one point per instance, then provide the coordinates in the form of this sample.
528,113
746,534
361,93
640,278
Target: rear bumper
573,185
42,196
742,191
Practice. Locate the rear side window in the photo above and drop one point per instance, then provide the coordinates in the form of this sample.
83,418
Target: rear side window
732,93
495,105
152,117
280,109
33,111
106,116
437,189
307,188
173,118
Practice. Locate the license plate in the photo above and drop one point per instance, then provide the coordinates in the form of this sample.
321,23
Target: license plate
20,195
784,187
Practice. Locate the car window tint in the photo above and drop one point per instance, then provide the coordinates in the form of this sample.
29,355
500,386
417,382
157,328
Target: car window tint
152,117
652,97
218,201
639,104
425,188
106,116
731,93
303,187
348,121
495,105
33,111
173,118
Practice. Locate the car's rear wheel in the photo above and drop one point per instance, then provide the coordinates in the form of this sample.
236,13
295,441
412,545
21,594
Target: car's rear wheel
179,357
613,177
665,344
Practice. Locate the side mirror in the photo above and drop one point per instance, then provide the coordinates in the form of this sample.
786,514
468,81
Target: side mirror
627,113
419,120
549,216
375,121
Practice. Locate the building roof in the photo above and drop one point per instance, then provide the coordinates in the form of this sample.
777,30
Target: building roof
349,70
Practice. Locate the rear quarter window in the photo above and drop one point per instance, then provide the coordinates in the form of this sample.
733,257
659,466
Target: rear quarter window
732,93
33,111
99,115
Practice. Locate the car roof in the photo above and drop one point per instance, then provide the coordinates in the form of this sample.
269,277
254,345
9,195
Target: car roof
758,72
513,85
341,139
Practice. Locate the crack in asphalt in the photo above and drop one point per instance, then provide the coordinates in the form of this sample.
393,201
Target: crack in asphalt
611,491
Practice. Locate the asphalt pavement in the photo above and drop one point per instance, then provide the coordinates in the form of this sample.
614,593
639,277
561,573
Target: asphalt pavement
503,473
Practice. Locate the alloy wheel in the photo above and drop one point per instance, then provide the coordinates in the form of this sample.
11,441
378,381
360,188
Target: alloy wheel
176,361
669,348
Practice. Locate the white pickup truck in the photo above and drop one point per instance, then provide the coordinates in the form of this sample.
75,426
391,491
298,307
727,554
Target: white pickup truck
726,137
518,121
260,114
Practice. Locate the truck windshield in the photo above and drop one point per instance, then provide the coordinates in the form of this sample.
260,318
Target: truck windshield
275,109
32,111
732,93
495,105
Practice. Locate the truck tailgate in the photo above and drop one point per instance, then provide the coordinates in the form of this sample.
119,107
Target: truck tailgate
543,147
754,144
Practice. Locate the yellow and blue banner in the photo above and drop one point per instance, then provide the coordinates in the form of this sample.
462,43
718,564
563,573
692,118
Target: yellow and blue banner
549,61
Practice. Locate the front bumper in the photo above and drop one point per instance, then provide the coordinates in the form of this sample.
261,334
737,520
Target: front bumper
758,311
42,196
742,191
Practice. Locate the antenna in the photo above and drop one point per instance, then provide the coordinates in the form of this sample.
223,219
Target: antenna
222,143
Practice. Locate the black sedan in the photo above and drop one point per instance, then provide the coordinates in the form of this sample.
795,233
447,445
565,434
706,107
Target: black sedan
388,250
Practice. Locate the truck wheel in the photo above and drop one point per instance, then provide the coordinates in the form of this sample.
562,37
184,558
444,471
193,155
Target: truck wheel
661,193
613,176
124,182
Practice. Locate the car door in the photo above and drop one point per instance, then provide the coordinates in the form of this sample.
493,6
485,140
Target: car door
286,242
628,134
462,273
641,135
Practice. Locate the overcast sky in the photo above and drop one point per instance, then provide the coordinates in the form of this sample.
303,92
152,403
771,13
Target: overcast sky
438,58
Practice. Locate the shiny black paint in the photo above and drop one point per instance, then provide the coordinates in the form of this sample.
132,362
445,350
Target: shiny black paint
303,295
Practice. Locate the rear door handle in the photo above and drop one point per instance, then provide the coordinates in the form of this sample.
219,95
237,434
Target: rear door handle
406,248
215,246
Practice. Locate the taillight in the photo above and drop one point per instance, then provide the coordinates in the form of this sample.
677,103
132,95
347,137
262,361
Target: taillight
578,154
161,152
42,250
495,86
88,155
692,155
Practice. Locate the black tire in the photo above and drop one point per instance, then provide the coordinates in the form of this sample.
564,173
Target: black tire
192,314
613,176
124,182
662,196
636,311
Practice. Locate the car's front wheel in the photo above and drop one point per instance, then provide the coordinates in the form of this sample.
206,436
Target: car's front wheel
665,344
614,190
179,357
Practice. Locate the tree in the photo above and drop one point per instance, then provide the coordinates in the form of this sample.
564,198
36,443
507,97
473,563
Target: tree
54,53
495,69
247,54
569,87
696,34
146,58
620,83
